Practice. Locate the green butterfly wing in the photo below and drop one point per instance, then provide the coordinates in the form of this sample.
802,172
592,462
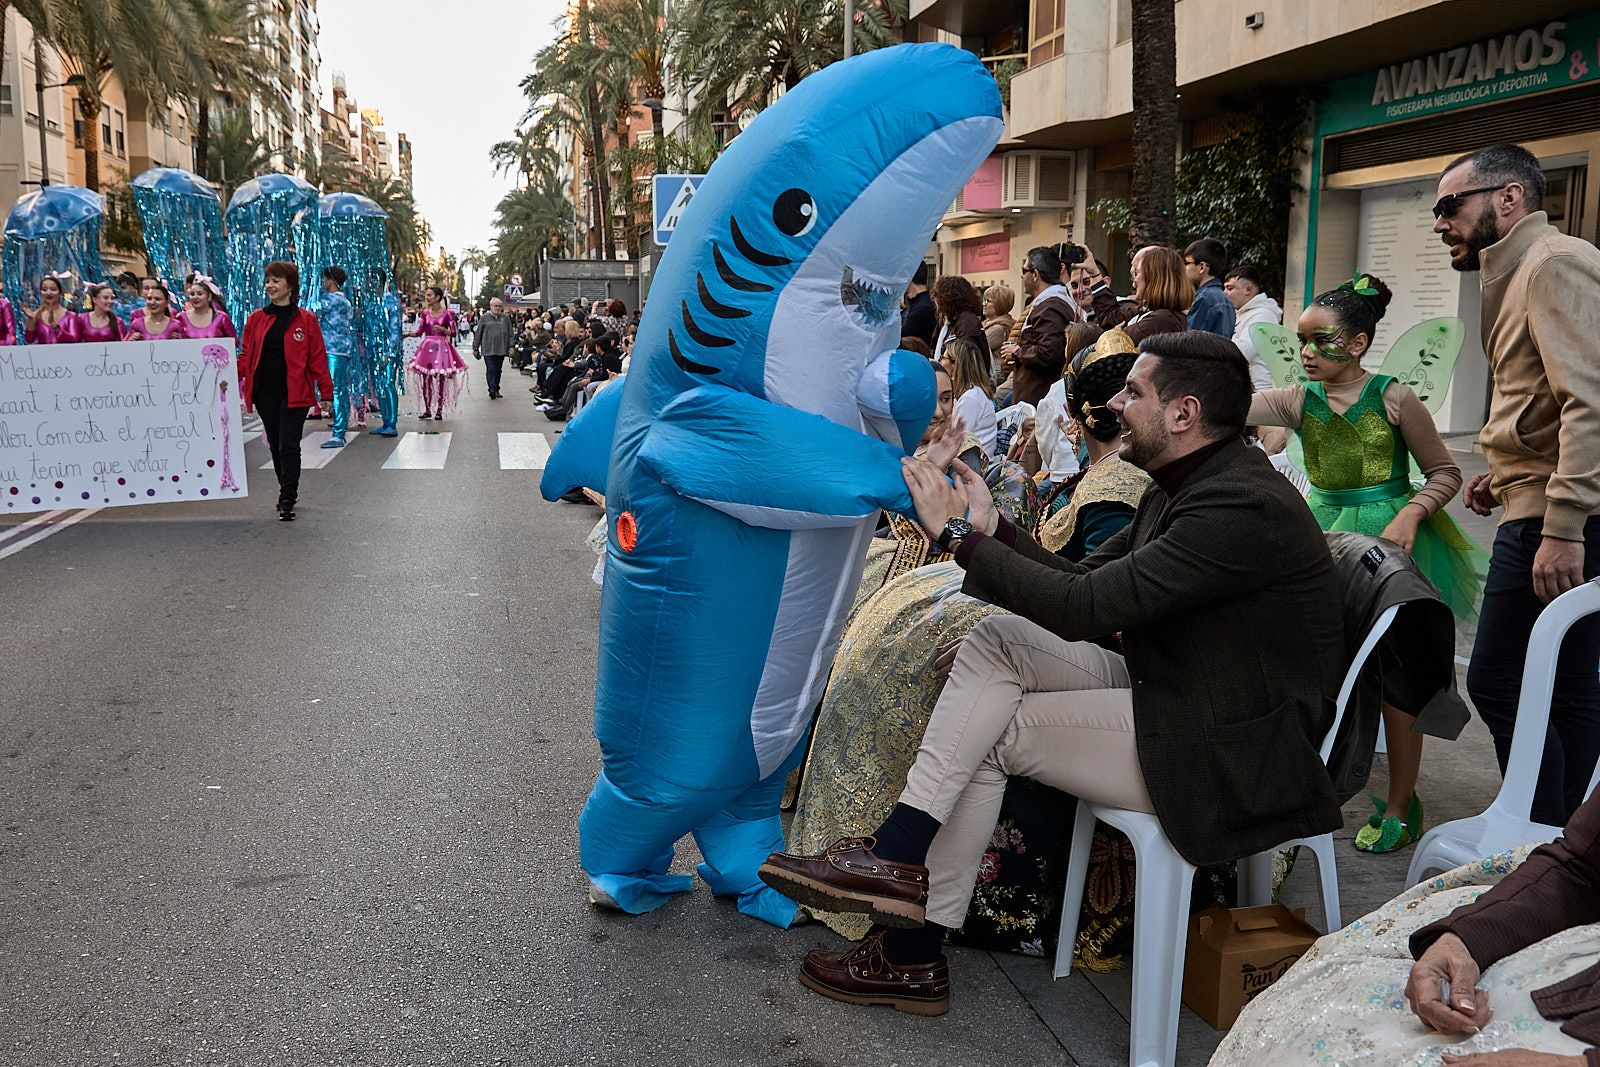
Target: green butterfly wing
1280,349
1425,356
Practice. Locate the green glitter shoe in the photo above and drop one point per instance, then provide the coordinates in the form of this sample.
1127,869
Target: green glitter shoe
1391,834
1375,820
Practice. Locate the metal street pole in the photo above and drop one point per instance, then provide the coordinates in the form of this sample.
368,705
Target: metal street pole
38,88
849,28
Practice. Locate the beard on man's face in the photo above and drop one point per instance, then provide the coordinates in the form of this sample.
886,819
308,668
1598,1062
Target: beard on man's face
1482,235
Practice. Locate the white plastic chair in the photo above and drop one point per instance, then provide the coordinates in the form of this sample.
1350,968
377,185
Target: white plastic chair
1508,822
1014,416
1162,887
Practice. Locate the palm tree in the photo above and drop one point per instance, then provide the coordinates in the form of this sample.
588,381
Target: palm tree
632,37
733,55
237,153
1155,124
151,45
533,224
562,98
331,168
473,259
407,232
525,154
239,63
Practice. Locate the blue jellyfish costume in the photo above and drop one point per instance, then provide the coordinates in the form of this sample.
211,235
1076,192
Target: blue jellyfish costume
50,230
747,453
346,230
260,229
181,216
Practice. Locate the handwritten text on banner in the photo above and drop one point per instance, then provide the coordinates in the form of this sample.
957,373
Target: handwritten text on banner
106,425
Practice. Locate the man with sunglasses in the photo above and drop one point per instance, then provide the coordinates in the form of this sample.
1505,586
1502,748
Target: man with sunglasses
1541,333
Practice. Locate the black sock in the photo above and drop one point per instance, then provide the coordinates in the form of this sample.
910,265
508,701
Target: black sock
922,945
905,835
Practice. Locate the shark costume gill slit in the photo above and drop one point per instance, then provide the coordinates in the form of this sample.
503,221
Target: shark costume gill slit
746,455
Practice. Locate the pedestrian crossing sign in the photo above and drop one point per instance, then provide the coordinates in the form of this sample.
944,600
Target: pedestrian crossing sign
670,194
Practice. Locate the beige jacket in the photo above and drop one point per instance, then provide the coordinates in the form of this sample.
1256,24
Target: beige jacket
1541,332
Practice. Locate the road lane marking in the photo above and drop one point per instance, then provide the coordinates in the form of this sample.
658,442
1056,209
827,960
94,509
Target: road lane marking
23,527
523,451
46,525
419,452
312,455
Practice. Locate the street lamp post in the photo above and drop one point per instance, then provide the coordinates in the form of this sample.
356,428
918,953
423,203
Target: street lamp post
76,80
849,28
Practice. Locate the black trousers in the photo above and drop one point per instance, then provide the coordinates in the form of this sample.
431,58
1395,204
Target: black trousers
283,426
1494,679
560,378
492,366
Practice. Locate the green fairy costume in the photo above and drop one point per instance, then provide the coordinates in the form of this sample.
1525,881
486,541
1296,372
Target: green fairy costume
1360,475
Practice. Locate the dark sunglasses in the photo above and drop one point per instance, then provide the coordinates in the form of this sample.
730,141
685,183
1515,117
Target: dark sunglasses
1451,203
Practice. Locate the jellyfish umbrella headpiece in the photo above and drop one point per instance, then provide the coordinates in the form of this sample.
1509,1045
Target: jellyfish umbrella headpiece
50,231
260,220
181,216
346,231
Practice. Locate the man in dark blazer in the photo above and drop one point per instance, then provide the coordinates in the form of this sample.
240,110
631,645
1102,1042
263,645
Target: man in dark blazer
1223,594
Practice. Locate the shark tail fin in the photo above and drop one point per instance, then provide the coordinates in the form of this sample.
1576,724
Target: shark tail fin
582,456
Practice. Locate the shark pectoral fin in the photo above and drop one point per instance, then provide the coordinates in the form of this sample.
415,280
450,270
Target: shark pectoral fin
898,390
582,456
769,465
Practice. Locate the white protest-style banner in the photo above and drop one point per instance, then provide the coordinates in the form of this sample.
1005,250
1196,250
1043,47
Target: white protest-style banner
117,423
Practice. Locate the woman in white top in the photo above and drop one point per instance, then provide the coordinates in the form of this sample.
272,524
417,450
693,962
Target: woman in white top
968,366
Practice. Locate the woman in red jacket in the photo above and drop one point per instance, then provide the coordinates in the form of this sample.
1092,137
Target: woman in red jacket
280,358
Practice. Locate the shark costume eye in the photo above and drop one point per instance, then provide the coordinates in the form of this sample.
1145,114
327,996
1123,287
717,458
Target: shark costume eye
795,213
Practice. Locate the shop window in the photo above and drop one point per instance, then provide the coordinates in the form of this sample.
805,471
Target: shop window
1046,36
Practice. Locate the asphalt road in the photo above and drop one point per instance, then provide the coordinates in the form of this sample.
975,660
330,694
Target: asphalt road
305,793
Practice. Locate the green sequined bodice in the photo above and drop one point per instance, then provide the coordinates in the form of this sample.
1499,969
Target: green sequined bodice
1355,449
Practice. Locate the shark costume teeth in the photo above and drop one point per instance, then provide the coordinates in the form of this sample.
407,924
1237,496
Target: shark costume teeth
747,452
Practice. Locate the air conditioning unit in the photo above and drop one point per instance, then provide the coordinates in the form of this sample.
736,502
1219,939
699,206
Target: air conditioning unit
1039,179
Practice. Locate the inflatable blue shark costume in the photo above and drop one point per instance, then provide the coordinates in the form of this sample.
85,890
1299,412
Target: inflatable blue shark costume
756,436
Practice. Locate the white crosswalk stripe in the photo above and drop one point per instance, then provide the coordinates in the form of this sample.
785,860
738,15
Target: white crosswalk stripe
523,451
415,450
420,451
312,455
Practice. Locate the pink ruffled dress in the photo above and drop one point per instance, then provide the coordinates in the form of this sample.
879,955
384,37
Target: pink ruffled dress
8,323
437,369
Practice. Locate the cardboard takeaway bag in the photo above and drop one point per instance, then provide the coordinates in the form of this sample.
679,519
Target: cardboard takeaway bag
1234,954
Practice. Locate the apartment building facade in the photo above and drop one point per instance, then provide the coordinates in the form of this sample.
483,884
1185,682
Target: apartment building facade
1403,86
293,27
134,134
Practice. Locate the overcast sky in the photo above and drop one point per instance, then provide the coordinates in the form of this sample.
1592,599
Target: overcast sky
445,74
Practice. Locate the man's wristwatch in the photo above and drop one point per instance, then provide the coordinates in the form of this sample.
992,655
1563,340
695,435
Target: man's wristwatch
955,531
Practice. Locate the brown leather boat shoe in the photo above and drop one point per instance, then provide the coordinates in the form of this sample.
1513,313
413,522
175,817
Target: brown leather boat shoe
849,878
863,975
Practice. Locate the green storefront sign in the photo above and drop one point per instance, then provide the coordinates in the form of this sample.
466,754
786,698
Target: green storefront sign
1542,58
1555,55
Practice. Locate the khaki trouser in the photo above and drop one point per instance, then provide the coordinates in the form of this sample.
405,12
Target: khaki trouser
1019,700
